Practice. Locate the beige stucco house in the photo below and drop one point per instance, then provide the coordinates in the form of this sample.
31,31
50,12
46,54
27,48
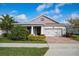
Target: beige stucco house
45,25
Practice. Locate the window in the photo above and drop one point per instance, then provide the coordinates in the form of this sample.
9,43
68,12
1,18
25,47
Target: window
42,19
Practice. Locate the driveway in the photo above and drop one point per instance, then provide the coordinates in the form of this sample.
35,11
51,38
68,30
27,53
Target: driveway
61,46
60,40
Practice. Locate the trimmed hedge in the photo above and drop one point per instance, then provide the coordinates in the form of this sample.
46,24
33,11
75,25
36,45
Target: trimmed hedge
39,37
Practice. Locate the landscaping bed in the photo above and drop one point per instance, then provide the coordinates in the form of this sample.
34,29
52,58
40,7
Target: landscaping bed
22,51
5,40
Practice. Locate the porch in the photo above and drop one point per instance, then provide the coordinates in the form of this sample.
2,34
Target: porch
35,30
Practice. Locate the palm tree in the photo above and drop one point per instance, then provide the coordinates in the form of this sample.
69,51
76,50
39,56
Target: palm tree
6,23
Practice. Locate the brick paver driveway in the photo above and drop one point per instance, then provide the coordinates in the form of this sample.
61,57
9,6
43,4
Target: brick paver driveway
60,40
62,46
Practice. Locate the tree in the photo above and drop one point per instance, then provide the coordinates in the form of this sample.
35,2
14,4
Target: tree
74,22
6,23
74,26
18,33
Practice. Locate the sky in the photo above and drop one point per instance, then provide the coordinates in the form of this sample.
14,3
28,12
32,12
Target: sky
25,12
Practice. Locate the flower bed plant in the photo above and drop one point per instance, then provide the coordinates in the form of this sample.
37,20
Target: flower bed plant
38,37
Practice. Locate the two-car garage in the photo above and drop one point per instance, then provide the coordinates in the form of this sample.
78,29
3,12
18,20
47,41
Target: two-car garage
51,31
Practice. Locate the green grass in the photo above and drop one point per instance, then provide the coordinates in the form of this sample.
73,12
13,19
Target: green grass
22,51
75,37
5,40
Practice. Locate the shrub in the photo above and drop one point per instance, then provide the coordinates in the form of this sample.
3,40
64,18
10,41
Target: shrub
5,34
42,35
18,33
39,37
30,37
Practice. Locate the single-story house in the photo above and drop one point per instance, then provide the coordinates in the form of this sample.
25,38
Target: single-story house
45,25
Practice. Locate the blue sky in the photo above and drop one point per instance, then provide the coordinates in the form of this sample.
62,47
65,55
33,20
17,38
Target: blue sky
24,12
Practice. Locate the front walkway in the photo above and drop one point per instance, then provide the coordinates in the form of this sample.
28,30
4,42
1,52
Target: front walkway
60,46
38,45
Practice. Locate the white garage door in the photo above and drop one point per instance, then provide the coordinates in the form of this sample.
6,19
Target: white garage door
52,32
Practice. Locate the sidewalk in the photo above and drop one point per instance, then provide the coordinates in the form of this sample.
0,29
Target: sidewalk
38,45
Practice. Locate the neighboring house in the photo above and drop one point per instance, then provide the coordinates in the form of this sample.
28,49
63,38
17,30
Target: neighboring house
73,30
45,25
76,30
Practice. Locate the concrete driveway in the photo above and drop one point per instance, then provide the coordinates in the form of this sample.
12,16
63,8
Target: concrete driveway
61,46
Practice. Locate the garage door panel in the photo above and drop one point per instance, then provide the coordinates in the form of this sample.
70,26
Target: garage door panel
49,33
52,32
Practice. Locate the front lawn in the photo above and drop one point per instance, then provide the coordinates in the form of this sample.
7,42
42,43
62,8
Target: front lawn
22,51
5,40
75,37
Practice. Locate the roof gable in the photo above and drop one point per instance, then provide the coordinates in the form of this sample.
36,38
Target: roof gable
43,20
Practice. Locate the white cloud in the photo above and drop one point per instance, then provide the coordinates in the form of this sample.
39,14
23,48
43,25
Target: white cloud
57,16
60,18
60,5
43,6
13,11
21,18
57,8
49,5
74,16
